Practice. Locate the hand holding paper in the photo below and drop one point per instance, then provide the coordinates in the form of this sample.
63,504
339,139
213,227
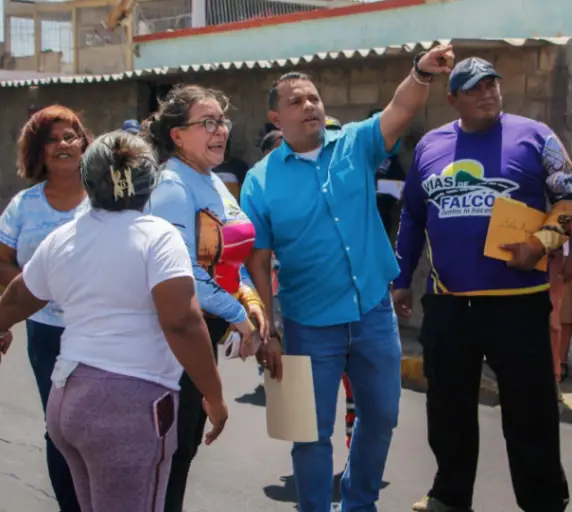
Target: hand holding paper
527,255
510,235
291,403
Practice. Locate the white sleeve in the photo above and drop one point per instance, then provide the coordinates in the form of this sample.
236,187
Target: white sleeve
34,273
168,258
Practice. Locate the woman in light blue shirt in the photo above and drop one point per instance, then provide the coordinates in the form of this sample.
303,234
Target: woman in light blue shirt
49,150
190,132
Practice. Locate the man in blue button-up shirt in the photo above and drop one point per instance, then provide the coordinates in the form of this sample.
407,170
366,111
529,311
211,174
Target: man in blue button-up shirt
313,202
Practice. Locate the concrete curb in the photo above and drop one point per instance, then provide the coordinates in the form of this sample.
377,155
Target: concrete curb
565,413
412,373
412,378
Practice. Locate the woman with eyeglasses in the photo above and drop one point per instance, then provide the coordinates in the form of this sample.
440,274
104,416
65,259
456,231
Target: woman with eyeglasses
190,132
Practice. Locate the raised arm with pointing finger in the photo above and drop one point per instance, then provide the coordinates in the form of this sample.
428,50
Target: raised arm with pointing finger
313,203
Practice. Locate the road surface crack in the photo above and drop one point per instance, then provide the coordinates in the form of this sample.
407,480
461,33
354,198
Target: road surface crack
43,494
31,447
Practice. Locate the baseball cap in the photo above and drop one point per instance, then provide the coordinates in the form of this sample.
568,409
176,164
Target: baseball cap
332,123
131,126
469,72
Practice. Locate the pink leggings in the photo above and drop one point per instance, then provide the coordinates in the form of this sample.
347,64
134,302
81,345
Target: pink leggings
104,426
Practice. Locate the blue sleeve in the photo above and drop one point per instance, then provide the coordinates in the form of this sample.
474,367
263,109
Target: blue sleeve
558,168
11,223
245,278
411,234
171,202
253,205
369,139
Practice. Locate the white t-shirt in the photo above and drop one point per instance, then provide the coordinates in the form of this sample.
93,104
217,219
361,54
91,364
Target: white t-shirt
101,268
311,155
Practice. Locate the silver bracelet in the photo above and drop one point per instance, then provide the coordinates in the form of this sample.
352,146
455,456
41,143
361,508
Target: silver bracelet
415,78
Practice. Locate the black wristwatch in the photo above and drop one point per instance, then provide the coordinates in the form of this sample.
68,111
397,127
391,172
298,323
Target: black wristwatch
421,73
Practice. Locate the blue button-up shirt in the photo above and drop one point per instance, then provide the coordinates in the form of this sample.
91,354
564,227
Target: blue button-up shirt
321,220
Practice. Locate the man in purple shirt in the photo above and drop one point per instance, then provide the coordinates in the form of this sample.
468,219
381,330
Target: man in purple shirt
476,306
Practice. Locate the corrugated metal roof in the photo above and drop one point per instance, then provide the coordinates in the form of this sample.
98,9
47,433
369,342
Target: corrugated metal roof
283,63
25,74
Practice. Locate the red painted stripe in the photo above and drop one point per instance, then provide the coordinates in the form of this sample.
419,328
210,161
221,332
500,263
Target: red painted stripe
279,20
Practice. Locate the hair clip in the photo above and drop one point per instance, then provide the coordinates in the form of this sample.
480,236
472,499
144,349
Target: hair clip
122,183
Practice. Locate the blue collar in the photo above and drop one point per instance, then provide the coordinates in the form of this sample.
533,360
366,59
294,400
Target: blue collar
330,136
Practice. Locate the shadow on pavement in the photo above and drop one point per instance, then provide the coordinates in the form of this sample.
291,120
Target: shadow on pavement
257,397
287,491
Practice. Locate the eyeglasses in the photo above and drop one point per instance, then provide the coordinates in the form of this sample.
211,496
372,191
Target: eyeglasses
212,125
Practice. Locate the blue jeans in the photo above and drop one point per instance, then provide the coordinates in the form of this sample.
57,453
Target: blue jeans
43,349
370,352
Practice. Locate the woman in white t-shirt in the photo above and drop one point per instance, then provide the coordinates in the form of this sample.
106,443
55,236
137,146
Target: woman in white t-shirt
125,284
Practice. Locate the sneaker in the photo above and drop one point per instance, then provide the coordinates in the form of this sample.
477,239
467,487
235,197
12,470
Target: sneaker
428,504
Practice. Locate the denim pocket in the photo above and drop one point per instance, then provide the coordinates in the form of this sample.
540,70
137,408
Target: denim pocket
385,304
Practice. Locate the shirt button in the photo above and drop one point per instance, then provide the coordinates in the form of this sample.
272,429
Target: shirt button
348,248
336,219
354,278
325,189
318,167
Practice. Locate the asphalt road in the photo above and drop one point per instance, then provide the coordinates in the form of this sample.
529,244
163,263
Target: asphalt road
244,470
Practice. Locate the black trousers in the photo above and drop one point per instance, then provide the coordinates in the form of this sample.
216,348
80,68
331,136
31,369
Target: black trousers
190,428
44,343
512,332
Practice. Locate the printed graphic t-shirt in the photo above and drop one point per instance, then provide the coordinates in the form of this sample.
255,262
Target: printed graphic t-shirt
449,194
25,222
180,195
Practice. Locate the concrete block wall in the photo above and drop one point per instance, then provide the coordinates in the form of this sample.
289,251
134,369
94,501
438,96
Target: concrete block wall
102,107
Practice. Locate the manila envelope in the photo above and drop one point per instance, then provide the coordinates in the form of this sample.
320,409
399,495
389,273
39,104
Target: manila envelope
291,404
512,222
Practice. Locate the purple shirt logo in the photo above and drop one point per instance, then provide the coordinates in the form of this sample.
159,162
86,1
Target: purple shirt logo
461,189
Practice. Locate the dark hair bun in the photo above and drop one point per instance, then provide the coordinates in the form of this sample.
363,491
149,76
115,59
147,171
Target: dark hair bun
119,171
122,153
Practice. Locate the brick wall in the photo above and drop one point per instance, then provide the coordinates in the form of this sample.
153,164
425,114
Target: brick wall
535,84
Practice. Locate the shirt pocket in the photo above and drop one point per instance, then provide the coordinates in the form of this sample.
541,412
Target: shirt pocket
347,179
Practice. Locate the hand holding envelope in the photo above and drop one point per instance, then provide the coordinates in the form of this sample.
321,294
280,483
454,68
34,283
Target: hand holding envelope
512,225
